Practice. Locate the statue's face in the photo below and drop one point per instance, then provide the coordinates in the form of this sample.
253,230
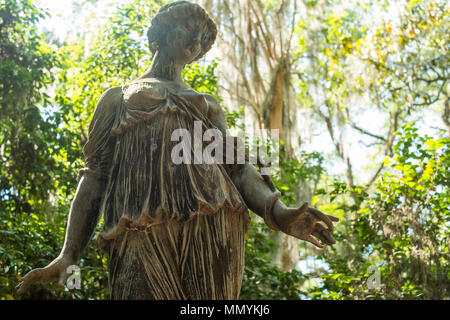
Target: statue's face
184,41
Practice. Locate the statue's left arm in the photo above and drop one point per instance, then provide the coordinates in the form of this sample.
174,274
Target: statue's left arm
302,223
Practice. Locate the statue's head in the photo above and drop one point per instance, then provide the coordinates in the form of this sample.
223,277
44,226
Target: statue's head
182,30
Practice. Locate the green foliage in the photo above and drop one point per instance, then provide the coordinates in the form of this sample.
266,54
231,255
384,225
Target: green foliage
400,230
30,142
25,64
294,174
398,225
263,280
202,79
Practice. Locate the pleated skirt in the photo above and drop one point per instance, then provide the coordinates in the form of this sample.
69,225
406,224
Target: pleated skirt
202,258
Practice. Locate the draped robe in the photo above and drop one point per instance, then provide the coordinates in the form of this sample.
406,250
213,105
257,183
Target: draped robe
182,214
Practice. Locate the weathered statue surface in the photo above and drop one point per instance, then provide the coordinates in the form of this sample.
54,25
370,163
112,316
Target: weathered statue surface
172,231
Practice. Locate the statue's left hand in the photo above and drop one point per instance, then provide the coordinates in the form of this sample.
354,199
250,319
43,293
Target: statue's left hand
304,223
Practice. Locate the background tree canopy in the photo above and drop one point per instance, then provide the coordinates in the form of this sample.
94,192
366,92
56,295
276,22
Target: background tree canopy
359,91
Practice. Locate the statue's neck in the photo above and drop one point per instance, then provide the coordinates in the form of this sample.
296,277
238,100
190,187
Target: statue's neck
164,67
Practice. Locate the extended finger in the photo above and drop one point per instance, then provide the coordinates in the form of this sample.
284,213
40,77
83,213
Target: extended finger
320,229
318,233
303,208
30,278
18,287
314,241
333,218
323,217
320,236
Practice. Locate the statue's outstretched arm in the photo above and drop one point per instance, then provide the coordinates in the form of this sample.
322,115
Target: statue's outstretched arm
83,218
302,223
84,211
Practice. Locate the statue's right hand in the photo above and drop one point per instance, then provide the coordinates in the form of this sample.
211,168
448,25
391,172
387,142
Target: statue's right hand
55,271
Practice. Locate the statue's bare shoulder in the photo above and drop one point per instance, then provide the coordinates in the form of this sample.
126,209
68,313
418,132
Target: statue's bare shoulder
108,102
110,97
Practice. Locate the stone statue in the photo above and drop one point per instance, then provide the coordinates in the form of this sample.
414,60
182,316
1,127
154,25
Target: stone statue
172,231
